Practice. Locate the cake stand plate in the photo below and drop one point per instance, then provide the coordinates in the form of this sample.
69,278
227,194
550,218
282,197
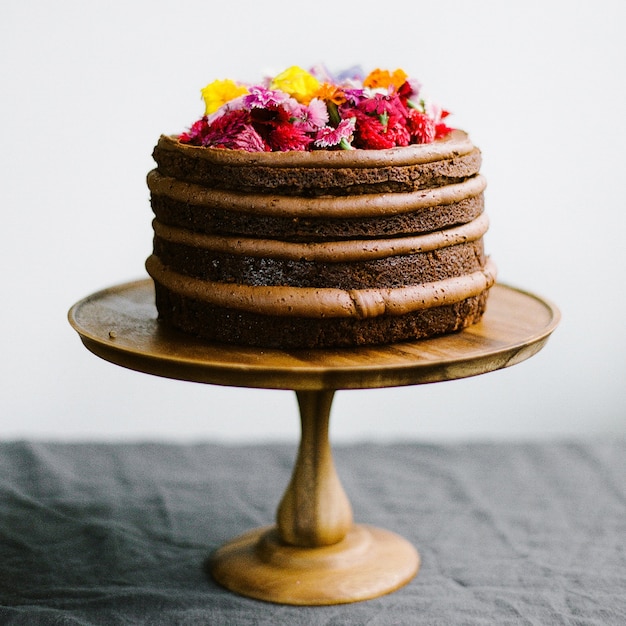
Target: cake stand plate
314,554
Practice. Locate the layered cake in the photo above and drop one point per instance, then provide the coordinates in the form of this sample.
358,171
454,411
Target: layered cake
316,211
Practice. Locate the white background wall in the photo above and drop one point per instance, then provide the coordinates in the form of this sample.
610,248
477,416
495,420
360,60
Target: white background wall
87,87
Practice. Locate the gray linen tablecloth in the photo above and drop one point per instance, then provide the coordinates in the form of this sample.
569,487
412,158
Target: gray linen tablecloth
118,534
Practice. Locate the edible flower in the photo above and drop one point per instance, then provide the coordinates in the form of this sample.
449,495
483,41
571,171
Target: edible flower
219,92
297,82
385,79
300,110
329,137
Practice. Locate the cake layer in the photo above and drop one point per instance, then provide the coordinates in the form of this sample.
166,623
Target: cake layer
342,264
319,173
332,251
243,327
386,272
202,209
322,303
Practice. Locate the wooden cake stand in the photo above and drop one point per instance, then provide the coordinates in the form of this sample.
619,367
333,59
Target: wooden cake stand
314,554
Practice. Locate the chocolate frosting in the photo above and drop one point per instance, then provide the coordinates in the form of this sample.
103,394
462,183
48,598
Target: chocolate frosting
320,303
331,251
457,143
364,205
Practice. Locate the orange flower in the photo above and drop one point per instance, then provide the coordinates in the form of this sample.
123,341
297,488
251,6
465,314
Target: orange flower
331,93
383,78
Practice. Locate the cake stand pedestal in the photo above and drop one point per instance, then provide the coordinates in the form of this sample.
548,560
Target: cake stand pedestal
315,554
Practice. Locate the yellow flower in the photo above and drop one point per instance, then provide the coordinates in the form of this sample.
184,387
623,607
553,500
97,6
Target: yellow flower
219,92
297,83
384,79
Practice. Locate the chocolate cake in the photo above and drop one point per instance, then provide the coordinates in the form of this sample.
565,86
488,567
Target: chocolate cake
315,248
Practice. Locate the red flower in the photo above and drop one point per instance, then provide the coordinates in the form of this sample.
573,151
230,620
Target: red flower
230,130
421,127
397,130
196,133
370,133
380,104
441,130
405,91
286,136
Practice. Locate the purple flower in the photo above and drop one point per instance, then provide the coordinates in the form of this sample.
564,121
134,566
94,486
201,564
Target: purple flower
322,73
354,73
354,96
351,75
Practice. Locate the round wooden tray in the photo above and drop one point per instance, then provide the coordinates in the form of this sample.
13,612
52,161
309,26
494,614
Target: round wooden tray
315,554
120,325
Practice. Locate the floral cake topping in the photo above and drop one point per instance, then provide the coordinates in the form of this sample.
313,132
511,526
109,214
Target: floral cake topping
314,110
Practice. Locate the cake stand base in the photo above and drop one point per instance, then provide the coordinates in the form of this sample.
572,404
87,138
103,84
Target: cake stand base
367,563
315,554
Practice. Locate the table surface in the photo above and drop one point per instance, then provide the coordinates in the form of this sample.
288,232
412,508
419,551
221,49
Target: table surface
120,324
119,533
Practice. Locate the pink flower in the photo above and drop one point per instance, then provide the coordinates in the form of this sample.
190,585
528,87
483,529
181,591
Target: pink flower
249,140
234,130
312,117
263,98
329,137
236,104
